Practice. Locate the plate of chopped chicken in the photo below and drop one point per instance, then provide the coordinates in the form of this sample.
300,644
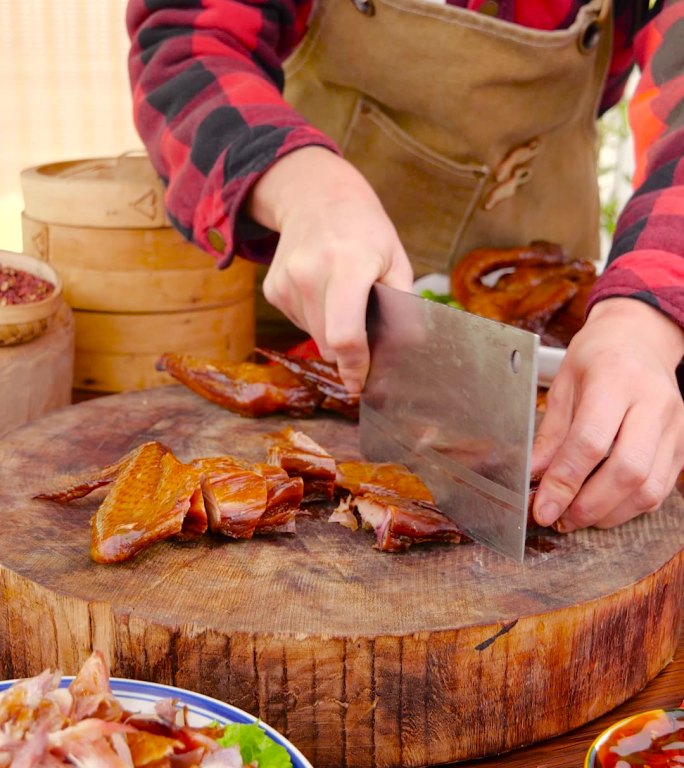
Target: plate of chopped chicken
91,719
538,287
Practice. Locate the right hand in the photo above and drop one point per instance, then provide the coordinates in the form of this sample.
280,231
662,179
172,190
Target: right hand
335,241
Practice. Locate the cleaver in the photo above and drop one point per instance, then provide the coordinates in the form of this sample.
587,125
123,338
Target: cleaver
453,397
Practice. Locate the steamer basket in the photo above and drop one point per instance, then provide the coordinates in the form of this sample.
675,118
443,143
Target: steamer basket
135,270
136,287
20,323
122,191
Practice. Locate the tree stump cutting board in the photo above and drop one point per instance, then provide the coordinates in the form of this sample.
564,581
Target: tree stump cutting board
361,658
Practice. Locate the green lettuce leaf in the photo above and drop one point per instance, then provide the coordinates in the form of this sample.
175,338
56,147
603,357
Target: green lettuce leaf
255,745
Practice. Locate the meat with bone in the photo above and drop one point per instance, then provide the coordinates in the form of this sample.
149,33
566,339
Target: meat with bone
300,456
284,498
359,477
248,389
324,376
400,522
395,503
147,502
235,496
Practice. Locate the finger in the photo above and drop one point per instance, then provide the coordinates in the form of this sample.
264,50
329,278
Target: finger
633,476
400,274
648,497
596,423
554,426
345,326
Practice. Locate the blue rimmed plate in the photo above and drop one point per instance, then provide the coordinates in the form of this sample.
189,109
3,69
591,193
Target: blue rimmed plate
140,696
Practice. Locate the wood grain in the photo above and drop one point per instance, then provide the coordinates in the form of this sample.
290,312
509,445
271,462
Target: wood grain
36,376
361,658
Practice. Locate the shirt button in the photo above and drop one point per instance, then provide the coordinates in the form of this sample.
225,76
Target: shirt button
489,8
216,240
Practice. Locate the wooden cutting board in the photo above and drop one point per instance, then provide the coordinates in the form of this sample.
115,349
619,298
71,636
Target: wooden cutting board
361,658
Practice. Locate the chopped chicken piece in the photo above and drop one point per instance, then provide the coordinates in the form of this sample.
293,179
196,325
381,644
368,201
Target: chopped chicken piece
300,456
400,522
235,496
344,515
359,477
148,502
248,389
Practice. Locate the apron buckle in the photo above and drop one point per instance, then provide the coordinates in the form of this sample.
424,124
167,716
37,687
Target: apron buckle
512,172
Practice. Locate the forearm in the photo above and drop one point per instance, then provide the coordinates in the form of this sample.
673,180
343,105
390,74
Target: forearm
647,257
207,104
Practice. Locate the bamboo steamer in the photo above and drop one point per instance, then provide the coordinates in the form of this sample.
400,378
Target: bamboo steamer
136,286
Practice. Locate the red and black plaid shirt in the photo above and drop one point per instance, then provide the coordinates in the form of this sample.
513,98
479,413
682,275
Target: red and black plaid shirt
207,84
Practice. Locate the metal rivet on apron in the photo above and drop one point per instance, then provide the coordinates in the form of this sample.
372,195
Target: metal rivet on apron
489,7
367,7
589,39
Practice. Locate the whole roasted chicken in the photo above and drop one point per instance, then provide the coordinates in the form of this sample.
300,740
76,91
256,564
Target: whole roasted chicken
538,287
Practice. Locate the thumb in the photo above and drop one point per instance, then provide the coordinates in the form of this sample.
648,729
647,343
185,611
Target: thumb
400,273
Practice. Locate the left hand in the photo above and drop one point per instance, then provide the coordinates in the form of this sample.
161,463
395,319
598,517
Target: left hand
615,393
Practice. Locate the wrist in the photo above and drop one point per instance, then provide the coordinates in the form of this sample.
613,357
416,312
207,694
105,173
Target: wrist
305,177
663,333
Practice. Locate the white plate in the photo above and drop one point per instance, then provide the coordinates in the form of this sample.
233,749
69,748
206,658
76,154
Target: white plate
139,696
548,359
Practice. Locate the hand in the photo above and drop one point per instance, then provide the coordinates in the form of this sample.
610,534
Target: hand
615,393
335,242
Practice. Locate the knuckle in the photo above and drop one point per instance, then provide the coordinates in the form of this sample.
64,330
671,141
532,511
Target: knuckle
632,469
567,477
271,288
583,515
650,496
592,443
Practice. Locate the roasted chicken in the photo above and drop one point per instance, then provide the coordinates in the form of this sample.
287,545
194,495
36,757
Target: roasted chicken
249,389
538,287
83,724
287,384
322,375
153,496
395,503
300,456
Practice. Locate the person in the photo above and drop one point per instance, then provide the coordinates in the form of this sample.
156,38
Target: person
413,126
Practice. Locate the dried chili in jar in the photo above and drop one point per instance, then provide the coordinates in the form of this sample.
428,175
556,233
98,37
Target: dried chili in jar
20,287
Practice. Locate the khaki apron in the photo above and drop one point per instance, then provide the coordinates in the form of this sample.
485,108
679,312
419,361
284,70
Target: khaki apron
473,131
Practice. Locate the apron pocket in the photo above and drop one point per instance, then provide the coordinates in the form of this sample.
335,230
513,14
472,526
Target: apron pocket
428,196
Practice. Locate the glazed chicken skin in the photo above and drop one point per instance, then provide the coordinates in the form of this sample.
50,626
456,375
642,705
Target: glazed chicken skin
300,456
148,502
544,290
248,389
287,384
322,375
152,496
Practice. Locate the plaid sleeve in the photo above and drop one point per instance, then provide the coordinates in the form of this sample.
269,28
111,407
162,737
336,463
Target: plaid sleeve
207,81
647,257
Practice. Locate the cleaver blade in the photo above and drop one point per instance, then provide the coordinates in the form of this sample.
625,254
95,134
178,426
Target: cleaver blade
453,397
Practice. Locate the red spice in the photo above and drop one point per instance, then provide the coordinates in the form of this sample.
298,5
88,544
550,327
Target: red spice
652,740
20,287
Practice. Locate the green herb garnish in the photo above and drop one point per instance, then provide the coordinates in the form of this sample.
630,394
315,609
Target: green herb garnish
255,746
441,298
